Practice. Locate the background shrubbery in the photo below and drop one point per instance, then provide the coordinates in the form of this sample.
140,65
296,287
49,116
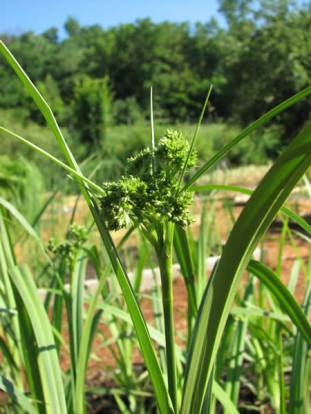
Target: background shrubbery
97,80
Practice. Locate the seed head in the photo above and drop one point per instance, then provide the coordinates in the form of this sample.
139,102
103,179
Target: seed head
150,193
75,239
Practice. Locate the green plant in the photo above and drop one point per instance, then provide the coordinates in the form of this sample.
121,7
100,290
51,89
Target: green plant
16,178
152,195
91,105
126,111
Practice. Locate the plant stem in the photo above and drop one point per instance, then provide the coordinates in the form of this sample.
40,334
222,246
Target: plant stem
165,253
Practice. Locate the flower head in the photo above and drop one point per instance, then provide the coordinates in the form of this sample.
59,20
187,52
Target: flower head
150,192
75,239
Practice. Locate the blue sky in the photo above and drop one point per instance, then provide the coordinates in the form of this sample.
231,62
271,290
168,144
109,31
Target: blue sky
18,16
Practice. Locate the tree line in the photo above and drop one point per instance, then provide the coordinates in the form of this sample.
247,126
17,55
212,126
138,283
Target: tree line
96,77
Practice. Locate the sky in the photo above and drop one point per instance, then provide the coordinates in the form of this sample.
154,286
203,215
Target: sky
18,16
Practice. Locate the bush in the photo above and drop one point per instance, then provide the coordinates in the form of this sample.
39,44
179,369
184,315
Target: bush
92,110
126,111
264,145
22,184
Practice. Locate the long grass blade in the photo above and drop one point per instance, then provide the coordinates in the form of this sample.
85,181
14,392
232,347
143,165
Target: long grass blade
41,104
77,298
22,221
224,399
7,260
195,134
299,393
88,327
50,157
17,397
159,338
252,127
183,252
253,222
234,188
146,346
284,297
49,365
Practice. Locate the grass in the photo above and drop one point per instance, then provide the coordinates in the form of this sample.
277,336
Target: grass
155,201
120,140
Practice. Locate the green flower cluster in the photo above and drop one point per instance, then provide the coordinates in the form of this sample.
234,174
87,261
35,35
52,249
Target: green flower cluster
75,239
150,193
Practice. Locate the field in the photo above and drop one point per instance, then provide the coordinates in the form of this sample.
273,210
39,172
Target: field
151,277
110,157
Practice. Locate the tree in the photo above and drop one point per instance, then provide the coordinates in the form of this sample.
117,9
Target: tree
72,26
274,63
51,34
50,90
235,11
259,58
91,110
126,111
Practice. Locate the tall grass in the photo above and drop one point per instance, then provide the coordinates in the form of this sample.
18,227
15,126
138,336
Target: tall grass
181,383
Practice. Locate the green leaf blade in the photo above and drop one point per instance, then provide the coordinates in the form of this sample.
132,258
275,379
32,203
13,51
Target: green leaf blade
253,222
49,364
252,127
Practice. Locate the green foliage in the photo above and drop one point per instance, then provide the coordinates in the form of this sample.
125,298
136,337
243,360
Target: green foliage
51,34
263,145
258,59
149,194
92,105
67,250
235,11
273,62
126,111
49,88
182,382
72,26
122,140
18,120
21,183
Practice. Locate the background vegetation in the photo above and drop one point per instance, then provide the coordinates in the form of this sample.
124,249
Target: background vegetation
245,339
97,81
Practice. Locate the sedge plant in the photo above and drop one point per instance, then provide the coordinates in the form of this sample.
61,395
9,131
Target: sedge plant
154,197
149,196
